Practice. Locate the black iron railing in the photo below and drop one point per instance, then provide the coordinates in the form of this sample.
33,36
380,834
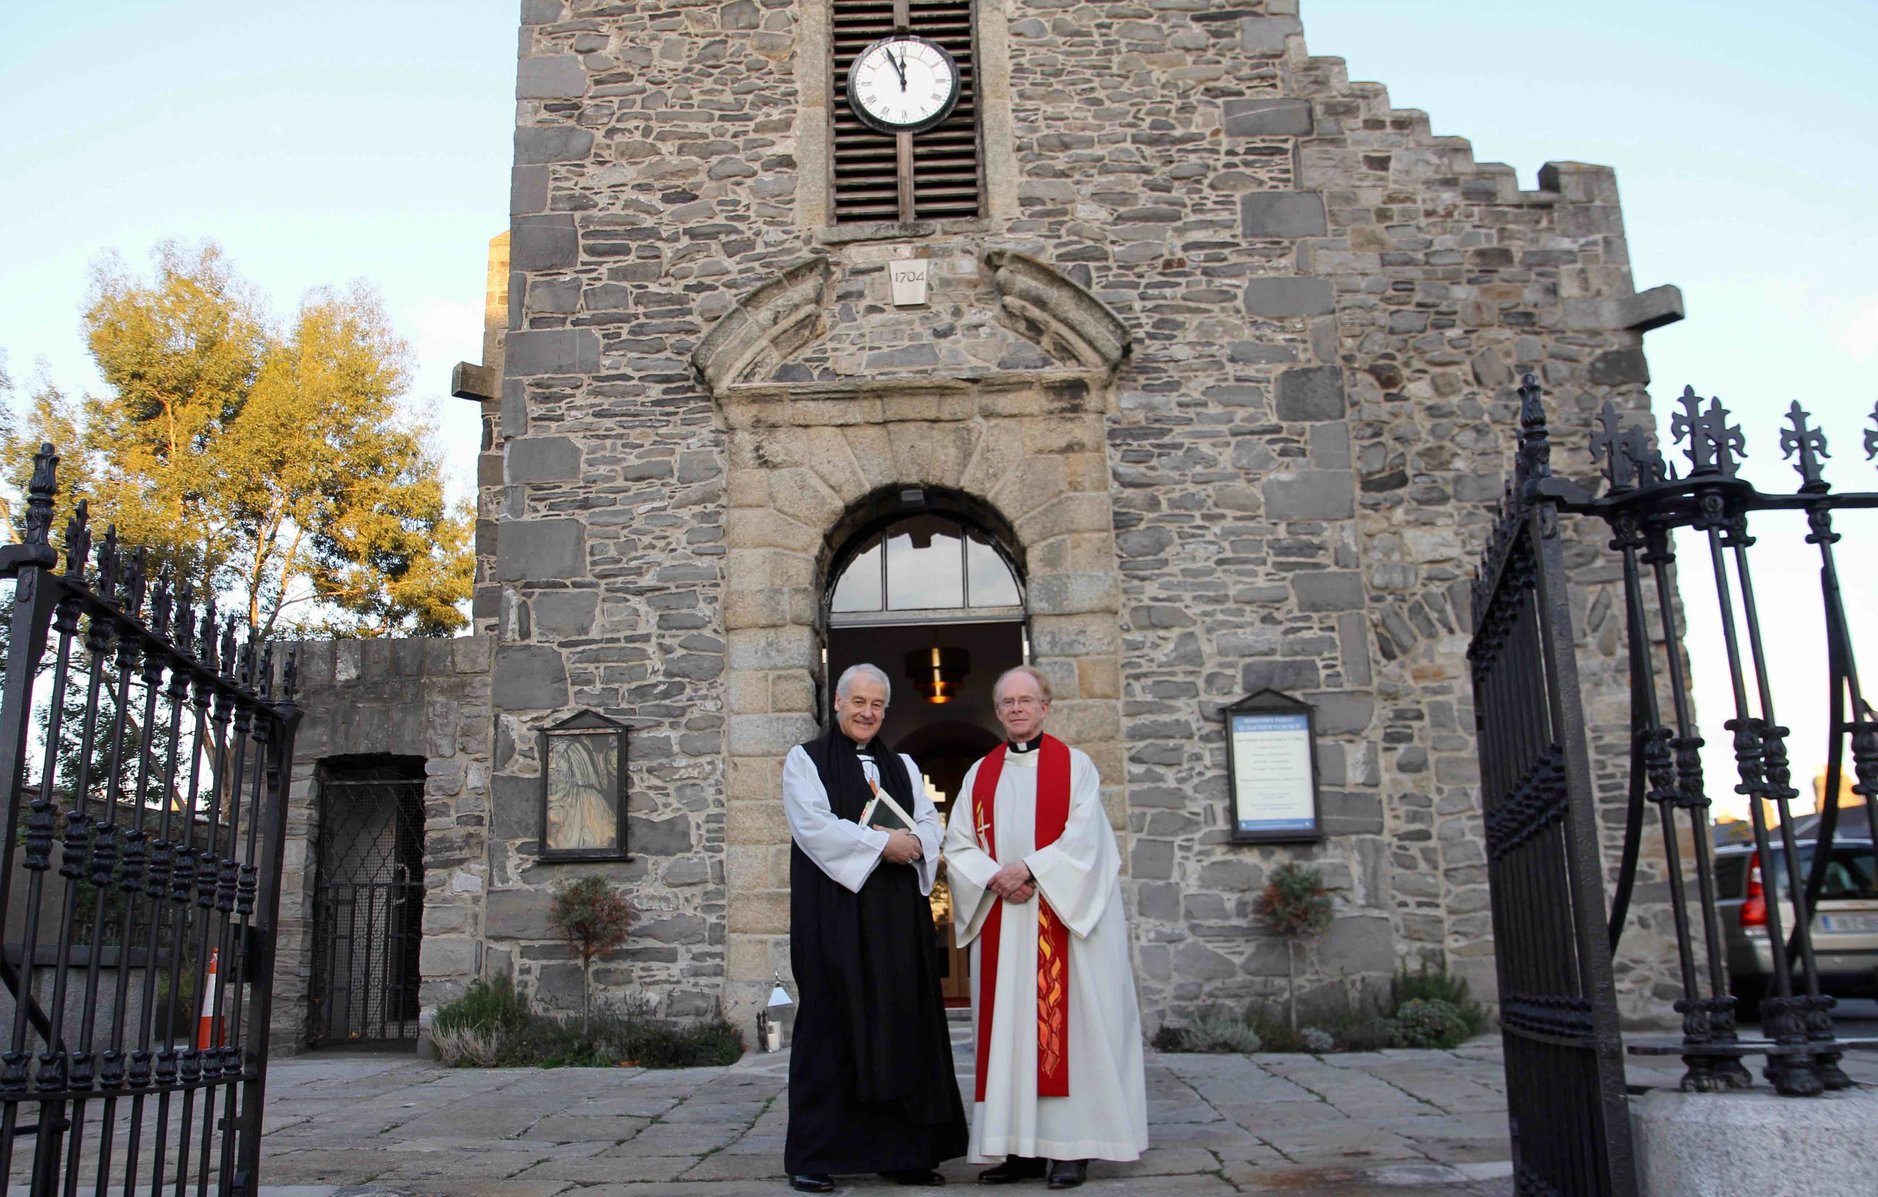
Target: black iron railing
1566,1107
144,752
1645,502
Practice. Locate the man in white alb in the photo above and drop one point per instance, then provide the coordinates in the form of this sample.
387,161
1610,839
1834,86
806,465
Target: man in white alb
1036,890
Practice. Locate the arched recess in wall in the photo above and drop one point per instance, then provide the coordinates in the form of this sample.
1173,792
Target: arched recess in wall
921,564
927,584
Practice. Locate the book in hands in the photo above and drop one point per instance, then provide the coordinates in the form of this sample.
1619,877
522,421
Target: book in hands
883,811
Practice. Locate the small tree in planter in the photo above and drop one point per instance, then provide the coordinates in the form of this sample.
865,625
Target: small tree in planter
1295,905
593,916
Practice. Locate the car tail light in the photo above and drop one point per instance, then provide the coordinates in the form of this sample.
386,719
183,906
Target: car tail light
1754,907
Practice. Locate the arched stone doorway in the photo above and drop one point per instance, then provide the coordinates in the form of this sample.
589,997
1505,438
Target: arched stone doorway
933,597
810,461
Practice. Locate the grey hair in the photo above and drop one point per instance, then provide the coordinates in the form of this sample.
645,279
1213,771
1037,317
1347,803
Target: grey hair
871,672
1030,671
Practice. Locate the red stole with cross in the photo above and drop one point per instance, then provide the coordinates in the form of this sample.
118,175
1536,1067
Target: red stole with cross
1052,933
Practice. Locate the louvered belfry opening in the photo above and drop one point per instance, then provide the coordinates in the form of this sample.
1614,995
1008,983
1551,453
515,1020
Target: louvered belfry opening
927,176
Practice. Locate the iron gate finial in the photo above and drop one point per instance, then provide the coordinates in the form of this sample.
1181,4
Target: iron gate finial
78,542
1535,445
107,565
39,495
1715,446
1810,444
1606,449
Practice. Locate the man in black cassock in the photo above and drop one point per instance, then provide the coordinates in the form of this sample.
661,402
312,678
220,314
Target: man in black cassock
871,1085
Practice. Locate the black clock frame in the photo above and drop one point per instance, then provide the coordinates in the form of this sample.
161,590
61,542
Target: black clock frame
938,118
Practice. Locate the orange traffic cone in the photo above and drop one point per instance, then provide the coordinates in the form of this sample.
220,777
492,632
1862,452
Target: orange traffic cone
208,1034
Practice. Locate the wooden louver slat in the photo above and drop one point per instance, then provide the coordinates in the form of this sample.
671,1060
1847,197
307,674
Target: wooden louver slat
943,162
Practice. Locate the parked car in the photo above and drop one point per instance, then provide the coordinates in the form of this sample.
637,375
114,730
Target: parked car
1845,923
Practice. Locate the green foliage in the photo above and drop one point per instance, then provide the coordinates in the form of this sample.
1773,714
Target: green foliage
1218,1030
1437,984
593,916
490,1003
1425,1007
1294,903
1358,1030
1273,1026
269,458
1428,1022
1350,1018
1170,1038
492,1026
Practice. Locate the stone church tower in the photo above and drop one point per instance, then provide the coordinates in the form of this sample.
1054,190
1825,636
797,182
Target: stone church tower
1171,360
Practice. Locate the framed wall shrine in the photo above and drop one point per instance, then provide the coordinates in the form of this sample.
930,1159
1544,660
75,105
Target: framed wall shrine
583,789
1271,767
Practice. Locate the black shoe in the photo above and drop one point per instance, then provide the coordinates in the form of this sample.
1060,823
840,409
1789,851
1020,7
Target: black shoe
914,1176
1013,1169
812,1182
1068,1174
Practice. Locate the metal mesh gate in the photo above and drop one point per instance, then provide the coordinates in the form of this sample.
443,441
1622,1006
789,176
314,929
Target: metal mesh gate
368,907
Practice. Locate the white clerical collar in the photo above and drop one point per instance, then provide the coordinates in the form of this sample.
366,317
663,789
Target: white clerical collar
1027,746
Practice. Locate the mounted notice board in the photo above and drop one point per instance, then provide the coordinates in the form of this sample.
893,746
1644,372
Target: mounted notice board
1271,765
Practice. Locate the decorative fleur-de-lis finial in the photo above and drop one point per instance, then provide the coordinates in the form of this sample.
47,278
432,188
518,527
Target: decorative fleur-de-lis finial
39,495
1535,446
78,542
1871,435
1607,449
135,578
265,678
230,661
185,636
290,675
160,604
209,629
108,559
1810,444
1715,446
1640,451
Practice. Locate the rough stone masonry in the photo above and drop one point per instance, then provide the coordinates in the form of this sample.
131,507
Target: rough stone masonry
1230,353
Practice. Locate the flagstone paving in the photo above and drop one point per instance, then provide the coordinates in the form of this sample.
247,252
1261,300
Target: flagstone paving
365,1126
1376,1124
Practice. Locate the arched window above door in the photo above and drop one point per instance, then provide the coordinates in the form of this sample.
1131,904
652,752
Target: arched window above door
925,563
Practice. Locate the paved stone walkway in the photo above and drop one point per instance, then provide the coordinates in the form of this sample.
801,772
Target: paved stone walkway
1376,1124
1349,1125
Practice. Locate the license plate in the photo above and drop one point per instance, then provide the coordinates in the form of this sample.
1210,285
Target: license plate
1855,923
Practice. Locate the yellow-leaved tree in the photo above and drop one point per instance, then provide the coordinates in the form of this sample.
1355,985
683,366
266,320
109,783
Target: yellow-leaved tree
271,458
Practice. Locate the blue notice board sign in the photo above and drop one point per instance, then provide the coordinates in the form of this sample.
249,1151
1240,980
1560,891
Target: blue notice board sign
1271,758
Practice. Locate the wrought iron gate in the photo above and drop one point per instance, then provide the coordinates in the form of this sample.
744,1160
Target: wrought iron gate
1565,1090
368,908
1558,1009
147,744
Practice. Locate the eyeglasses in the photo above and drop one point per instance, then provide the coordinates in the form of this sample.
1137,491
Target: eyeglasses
1020,702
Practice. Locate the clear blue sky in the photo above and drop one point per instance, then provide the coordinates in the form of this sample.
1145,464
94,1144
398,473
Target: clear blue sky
350,139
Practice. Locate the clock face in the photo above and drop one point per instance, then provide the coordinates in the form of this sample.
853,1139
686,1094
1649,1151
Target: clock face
903,84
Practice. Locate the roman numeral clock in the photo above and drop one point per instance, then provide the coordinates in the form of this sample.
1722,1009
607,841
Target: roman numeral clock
903,83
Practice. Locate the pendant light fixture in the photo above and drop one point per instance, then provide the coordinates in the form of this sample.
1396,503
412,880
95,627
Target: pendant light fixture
938,670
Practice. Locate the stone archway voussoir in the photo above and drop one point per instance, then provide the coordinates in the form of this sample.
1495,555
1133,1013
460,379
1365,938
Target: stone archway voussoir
932,455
